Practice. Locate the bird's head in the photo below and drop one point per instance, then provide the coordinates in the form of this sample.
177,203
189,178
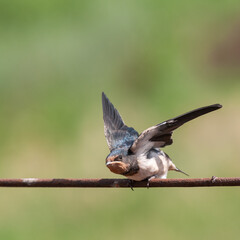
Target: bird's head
117,163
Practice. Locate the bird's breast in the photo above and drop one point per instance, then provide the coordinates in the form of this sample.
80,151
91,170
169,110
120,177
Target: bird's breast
155,166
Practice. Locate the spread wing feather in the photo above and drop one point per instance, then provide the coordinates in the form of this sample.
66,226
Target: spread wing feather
160,135
117,134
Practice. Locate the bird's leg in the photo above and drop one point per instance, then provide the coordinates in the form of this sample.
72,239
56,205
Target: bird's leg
148,181
130,184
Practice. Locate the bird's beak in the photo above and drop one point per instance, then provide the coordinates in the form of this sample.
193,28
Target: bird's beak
108,163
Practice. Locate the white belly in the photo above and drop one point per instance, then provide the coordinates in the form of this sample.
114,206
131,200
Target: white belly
148,167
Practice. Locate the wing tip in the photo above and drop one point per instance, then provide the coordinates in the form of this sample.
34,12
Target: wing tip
105,103
110,113
104,97
217,105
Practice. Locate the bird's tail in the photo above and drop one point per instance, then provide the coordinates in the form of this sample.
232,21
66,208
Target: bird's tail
173,167
178,170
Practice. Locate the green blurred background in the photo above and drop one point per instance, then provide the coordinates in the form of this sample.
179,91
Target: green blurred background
154,60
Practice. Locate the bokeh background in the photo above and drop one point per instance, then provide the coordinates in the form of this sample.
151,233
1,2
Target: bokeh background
154,60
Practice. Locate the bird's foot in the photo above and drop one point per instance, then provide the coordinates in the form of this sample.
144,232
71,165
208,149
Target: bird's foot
148,181
130,184
148,184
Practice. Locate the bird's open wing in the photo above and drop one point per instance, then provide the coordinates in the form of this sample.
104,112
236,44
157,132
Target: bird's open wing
116,132
160,135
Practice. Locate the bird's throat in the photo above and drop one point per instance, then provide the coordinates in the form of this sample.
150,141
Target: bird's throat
118,167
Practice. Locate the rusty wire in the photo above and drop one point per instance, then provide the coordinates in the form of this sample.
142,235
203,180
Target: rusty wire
120,183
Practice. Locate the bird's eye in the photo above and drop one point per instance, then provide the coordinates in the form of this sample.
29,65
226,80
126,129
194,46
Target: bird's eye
118,158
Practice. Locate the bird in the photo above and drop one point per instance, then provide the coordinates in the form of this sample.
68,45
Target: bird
139,156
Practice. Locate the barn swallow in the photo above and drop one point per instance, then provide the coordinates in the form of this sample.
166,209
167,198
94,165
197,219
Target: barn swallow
139,157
